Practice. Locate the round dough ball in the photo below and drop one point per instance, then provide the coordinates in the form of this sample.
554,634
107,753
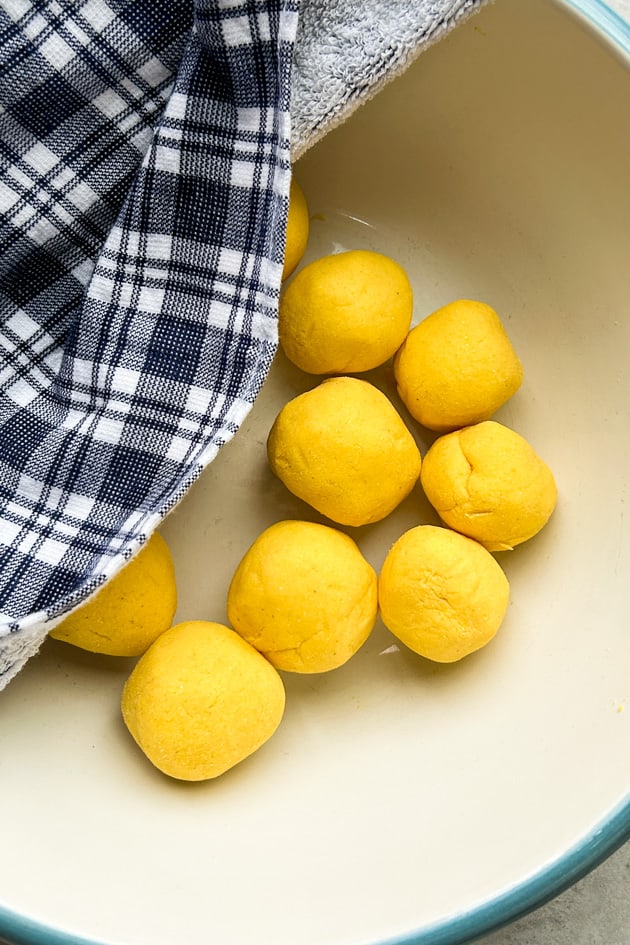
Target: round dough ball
443,595
345,313
298,228
487,482
343,448
131,610
304,596
201,700
457,367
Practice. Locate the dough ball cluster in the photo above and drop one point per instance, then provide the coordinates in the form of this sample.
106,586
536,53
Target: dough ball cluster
343,448
204,696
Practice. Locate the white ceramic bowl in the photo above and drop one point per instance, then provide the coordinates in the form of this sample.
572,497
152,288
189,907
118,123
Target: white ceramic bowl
400,801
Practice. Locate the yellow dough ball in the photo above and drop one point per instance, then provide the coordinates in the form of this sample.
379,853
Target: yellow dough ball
304,596
457,367
344,450
129,611
442,594
201,700
487,482
345,313
298,228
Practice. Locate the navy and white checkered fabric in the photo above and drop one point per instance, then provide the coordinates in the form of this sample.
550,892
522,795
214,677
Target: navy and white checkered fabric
144,176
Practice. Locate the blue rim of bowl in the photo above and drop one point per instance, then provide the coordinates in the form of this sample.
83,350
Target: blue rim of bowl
545,884
608,23
516,901
542,886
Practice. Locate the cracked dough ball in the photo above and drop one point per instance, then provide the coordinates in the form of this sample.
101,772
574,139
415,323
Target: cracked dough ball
298,227
487,482
343,448
345,313
442,594
201,700
130,610
304,596
457,366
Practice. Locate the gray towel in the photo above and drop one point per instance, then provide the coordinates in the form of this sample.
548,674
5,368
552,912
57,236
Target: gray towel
346,50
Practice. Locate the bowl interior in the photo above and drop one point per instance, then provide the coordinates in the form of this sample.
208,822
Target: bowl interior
396,794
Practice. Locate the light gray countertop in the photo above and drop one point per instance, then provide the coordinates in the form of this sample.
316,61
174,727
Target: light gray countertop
622,7
595,911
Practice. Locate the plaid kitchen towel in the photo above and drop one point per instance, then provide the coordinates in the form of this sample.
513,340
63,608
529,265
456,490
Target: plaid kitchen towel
145,152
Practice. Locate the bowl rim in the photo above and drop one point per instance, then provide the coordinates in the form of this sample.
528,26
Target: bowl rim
607,836
542,886
545,884
604,21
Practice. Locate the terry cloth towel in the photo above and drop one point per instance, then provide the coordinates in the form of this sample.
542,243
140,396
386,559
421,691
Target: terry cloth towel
146,154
